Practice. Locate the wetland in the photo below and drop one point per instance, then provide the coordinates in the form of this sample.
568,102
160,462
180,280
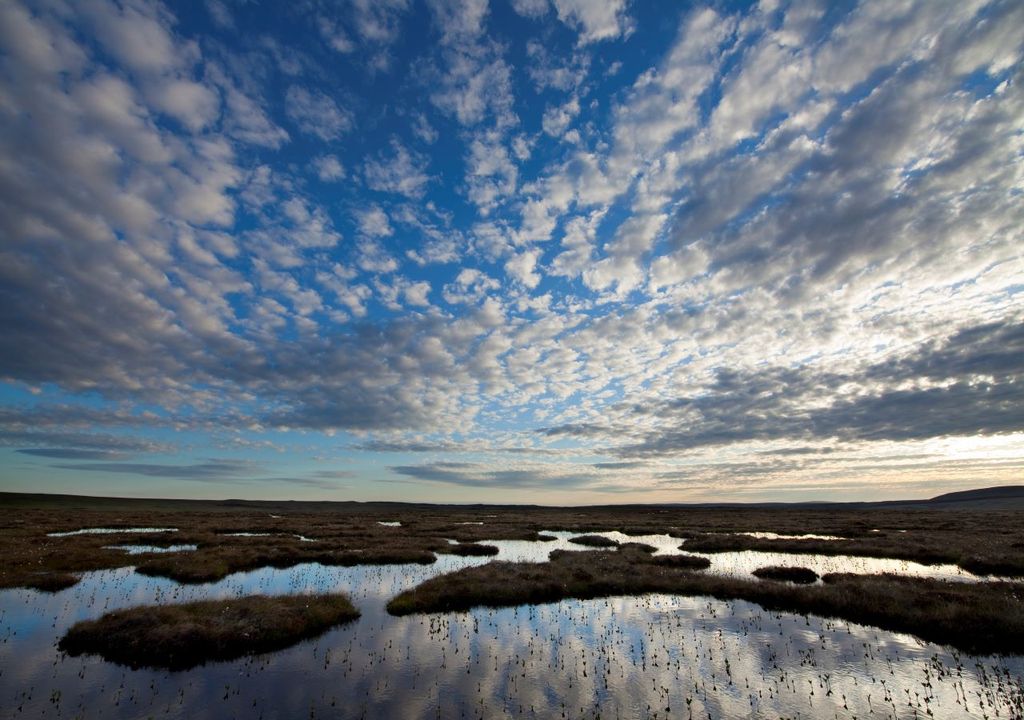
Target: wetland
323,610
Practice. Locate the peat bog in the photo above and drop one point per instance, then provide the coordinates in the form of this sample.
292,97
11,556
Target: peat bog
345,534
439,568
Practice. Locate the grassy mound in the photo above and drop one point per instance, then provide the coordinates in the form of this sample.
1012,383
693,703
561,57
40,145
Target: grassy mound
178,637
593,541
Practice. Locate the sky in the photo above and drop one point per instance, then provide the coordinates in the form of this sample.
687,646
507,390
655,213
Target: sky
511,251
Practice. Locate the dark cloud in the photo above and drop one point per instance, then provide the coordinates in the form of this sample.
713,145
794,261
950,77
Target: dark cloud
400,446
213,470
71,453
312,482
84,441
625,465
479,476
970,383
576,430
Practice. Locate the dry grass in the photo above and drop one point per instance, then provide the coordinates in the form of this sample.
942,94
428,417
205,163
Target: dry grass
977,618
178,637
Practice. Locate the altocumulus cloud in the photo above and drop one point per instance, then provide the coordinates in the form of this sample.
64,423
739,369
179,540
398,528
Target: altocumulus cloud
667,245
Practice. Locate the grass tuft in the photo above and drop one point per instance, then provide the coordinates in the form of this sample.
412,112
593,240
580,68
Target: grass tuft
599,541
686,562
799,575
473,549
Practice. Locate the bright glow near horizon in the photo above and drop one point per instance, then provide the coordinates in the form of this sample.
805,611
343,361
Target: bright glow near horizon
552,251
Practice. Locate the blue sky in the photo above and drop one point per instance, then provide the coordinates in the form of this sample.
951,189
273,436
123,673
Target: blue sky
552,251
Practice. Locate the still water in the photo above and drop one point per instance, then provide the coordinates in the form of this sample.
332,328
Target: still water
652,656
739,564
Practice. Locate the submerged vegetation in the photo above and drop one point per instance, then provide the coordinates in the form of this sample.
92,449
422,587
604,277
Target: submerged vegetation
178,637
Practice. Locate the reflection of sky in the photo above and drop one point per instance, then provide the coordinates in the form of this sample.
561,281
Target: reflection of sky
616,656
110,531
142,549
737,564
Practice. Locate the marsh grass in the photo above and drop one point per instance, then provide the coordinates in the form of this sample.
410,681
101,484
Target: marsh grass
473,550
599,541
798,575
989,541
684,562
973,617
215,563
178,637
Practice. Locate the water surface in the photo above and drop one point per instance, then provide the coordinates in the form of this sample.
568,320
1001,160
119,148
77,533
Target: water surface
143,549
651,656
110,531
740,563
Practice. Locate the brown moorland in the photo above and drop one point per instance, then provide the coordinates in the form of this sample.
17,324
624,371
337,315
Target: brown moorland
980,540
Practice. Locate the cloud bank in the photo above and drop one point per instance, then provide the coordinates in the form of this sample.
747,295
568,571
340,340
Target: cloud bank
670,245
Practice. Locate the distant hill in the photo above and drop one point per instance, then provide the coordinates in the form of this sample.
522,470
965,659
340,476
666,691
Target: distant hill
1009,497
1006,497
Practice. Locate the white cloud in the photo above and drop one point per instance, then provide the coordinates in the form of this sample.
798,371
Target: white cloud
474,89
328,168
373,258
317,114
220,14
377,21
595,19
417,293
373,222
490,173
557,119
459,21
401,171
193,104
548,70
138,35
335,37
246,121
522,267
470,286
531,8
423,130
